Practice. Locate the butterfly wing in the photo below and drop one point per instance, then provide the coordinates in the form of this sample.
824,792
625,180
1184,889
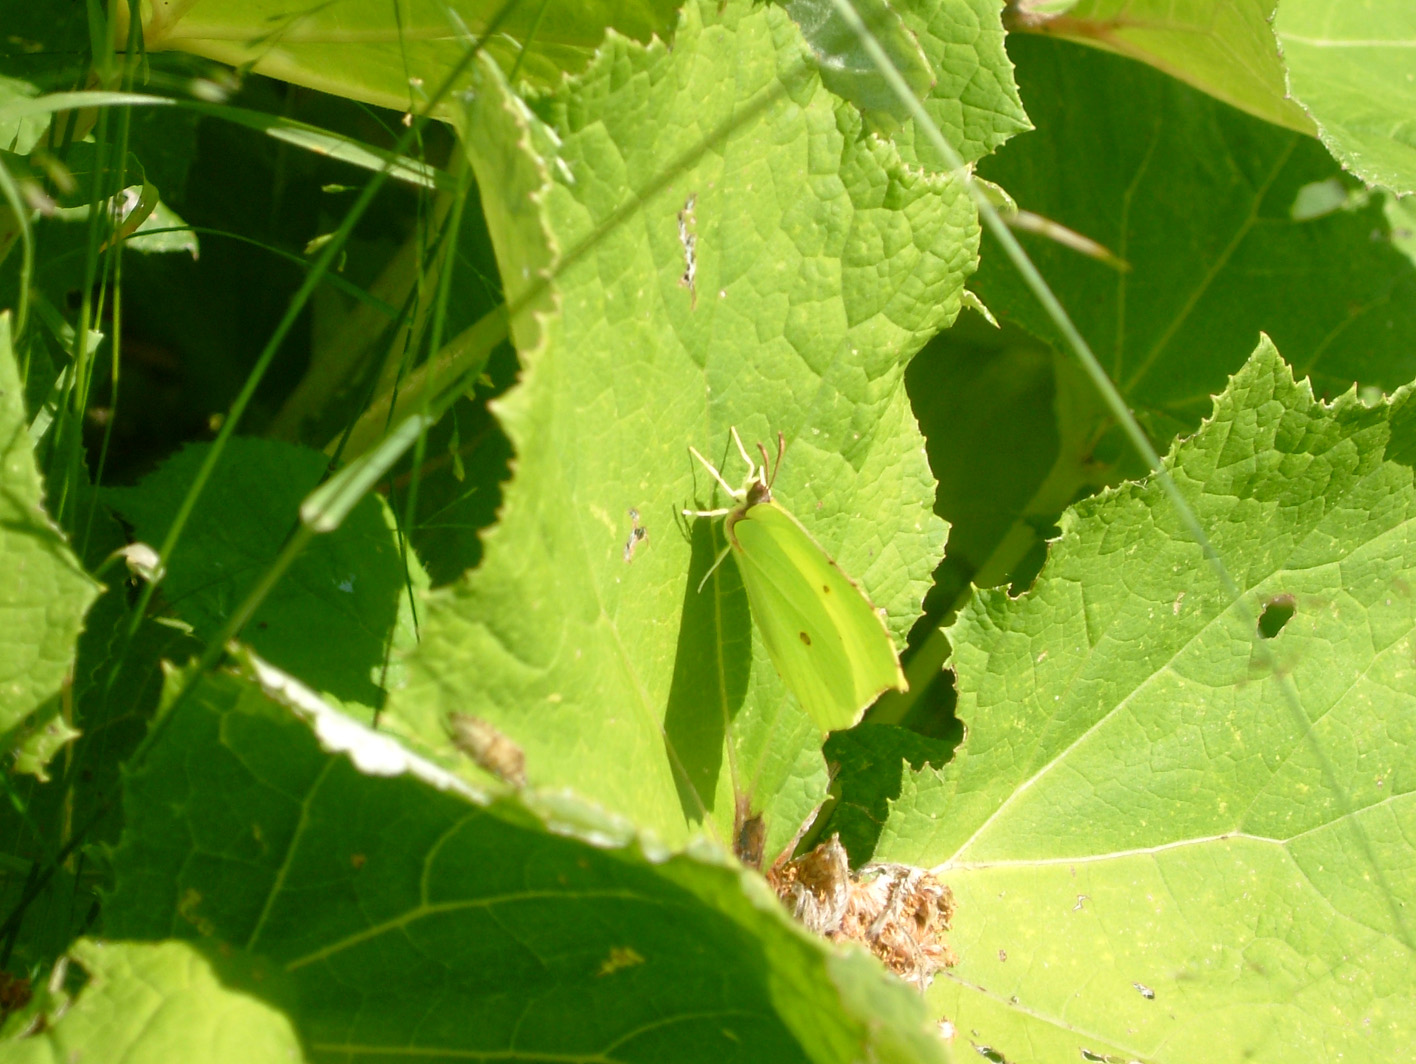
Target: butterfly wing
822,634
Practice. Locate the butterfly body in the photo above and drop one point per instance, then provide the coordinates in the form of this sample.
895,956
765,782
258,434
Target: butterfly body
824,637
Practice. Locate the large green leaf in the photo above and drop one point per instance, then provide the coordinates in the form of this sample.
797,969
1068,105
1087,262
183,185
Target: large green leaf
868,761
395,56
950,53
401,916
1157,854
1350,66
846,67
154,1003
1206,206
335,618
54,833
974,100
821,263
1331,67
1222,47
1199,200
972,386
44,591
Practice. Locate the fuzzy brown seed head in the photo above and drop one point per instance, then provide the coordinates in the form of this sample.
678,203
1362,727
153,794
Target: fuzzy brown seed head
898,912
816,886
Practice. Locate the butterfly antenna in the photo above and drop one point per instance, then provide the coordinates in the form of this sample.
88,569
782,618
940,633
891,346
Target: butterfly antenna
769,470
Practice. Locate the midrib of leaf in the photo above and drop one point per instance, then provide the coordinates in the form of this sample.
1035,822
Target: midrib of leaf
1324,42
1123,241
1393,535
426,909
1114,855
278,881
1221,260
1086,733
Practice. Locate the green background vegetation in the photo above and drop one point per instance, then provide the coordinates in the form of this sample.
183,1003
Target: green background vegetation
385,326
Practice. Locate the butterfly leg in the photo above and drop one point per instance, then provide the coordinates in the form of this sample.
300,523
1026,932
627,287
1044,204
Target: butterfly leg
713,568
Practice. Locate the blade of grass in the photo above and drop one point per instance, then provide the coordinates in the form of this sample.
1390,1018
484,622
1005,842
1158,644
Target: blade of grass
297,303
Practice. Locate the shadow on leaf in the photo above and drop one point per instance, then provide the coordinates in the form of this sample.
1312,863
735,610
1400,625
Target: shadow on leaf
711,667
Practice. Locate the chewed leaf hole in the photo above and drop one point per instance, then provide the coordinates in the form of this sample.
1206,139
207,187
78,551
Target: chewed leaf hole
1276,613
991,1054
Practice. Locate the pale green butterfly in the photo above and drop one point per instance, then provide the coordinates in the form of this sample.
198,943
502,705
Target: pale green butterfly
821,632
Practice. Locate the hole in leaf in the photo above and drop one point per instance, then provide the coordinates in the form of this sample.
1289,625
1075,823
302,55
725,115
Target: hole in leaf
989,1053
1276,613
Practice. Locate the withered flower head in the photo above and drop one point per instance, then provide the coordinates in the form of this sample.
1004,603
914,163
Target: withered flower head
898,912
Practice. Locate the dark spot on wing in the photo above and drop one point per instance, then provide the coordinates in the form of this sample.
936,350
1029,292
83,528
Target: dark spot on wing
805,638
825,590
